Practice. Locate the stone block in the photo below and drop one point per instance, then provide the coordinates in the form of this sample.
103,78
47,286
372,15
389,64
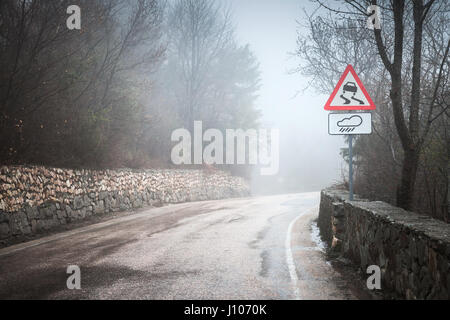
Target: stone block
4,230
99,207
19,224
78,203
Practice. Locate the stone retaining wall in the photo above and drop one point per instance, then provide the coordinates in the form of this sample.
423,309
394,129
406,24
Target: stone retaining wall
413,251
34,199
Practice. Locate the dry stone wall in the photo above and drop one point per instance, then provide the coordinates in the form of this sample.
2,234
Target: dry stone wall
34,199
412,250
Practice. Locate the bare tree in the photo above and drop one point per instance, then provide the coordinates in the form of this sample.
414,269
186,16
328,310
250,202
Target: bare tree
61,90
199,30
417,74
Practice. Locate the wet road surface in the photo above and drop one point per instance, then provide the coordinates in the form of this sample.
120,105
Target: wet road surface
252,248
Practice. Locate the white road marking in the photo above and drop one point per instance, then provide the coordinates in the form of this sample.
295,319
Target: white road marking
290,258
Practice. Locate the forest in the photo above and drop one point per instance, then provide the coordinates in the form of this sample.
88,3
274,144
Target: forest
110,94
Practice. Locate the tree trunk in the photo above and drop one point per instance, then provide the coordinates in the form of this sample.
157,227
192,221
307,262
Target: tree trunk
447,218
405,192
411,144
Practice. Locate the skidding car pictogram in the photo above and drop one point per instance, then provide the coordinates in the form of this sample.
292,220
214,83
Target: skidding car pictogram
351,87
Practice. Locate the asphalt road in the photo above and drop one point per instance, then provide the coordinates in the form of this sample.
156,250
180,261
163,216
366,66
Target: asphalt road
253,248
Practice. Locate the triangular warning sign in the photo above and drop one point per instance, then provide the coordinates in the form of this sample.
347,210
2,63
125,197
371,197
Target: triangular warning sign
350,94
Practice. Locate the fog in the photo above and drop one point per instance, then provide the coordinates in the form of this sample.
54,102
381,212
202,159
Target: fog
309,157
188,61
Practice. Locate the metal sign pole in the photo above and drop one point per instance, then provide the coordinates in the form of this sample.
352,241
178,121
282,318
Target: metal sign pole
350,94
350,168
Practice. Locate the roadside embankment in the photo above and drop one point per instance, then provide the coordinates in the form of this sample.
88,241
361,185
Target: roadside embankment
412,250
36,199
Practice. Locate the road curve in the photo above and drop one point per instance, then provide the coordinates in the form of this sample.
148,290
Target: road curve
252,248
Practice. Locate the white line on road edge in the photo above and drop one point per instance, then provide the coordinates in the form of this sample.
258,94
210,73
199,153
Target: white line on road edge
290,258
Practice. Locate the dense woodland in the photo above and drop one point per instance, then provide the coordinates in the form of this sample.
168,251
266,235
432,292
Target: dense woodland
405,67
110,95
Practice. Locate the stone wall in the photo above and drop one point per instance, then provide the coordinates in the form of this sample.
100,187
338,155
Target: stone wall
34,199
413,251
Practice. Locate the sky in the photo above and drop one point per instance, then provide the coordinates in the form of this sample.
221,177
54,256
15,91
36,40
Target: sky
309,158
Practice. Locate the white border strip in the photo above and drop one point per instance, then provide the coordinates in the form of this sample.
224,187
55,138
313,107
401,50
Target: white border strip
290,258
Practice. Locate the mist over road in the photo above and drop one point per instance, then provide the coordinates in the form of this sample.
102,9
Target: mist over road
253,248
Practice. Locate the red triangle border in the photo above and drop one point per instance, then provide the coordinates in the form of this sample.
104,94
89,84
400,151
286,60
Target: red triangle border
363,89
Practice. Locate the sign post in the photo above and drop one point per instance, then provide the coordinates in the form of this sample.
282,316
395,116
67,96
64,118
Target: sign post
350,165
350,94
